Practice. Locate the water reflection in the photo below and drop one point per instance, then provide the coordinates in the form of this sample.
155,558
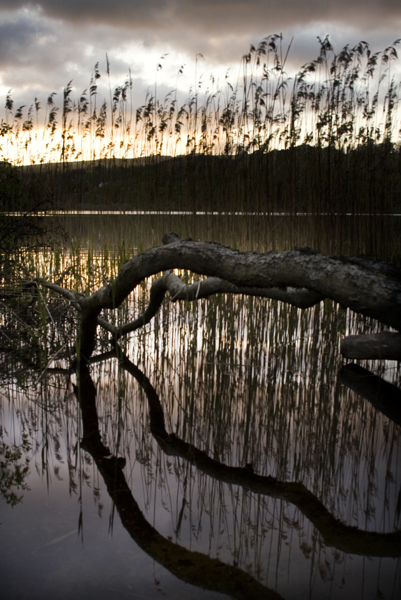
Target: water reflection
334,533
384,396
191,567
226,442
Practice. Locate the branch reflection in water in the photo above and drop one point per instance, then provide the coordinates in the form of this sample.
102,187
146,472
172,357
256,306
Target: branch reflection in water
285,458
192,567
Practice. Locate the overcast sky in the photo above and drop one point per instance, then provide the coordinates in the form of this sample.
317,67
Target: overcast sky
45,44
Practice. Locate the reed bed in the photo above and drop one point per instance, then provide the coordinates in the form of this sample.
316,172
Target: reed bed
250,383
323,144
342,101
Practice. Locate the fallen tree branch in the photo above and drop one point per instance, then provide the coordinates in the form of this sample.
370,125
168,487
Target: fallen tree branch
348,284
383,346
300,277
68,294
178,290
299,297
351,285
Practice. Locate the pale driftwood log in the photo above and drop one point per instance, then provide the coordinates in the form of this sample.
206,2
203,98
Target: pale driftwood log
349,284
382,346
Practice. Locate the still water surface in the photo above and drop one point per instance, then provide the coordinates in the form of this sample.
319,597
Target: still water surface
254,397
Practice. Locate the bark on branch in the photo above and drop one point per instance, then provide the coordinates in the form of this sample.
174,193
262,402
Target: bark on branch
178,290
300,277
351,285
299,297
383,346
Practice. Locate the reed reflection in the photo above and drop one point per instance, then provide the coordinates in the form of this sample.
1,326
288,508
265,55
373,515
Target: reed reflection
334,533
243,436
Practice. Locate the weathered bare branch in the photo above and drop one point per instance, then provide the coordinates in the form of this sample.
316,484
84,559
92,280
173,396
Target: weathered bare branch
157,294
68,294
299,297
383,346
352,285
169,282
300,277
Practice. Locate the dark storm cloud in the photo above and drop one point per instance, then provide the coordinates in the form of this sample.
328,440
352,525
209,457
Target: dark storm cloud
17,35
138,13
45,44
39,55
220,29
166,18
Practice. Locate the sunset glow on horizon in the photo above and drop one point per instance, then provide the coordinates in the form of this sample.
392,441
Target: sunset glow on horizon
92,81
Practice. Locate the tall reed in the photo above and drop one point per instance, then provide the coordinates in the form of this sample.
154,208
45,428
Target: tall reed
339,100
